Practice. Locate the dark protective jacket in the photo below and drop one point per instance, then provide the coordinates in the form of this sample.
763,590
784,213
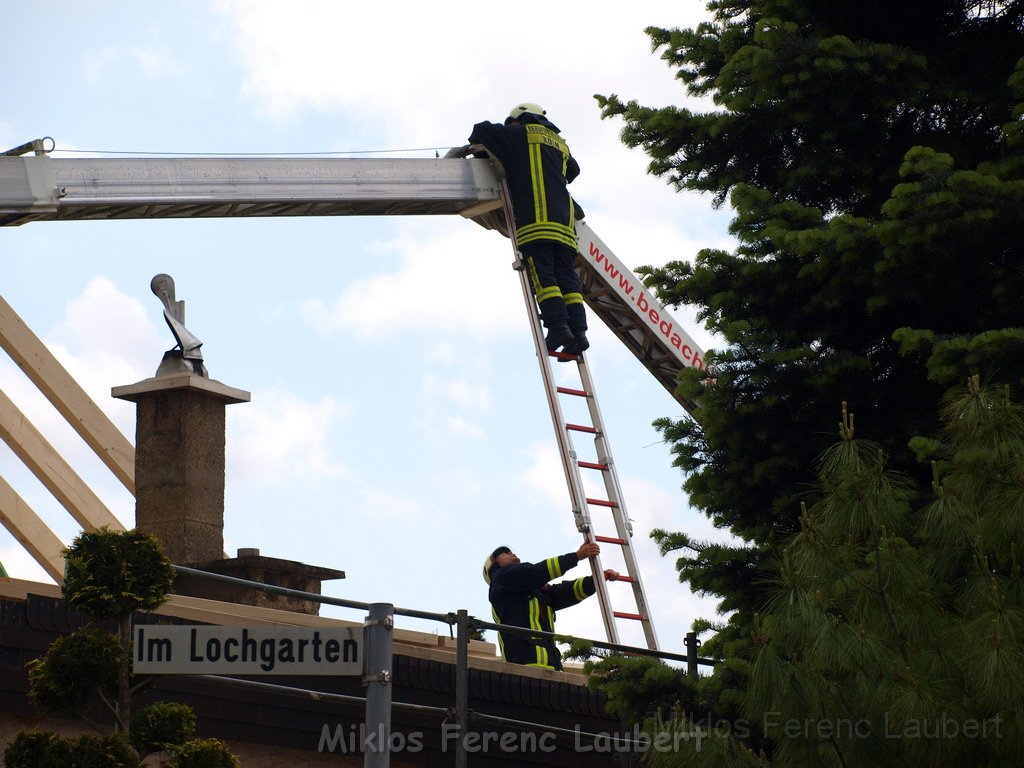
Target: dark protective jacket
538,167
520,595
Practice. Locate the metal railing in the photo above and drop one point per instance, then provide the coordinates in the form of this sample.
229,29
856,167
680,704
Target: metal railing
378,699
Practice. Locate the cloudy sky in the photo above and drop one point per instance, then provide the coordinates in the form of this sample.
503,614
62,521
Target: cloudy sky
397,428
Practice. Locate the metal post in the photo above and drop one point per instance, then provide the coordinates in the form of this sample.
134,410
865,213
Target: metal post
377,678
692,644
462,688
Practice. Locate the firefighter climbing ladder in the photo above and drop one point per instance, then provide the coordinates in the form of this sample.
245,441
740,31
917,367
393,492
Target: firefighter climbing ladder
37,187
571,464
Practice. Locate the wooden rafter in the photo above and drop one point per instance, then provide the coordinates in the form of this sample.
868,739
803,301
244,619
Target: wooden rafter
33,534
52,470
67,396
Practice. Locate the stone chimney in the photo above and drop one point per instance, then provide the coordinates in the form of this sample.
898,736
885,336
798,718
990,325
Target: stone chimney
179,462
180,471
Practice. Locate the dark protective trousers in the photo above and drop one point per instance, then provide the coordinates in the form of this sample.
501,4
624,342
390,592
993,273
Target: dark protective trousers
555,284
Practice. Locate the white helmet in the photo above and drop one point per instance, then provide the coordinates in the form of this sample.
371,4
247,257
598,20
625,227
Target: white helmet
526,106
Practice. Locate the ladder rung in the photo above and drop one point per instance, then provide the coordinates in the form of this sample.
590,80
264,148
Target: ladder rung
602,299
577,392
563,356
634,616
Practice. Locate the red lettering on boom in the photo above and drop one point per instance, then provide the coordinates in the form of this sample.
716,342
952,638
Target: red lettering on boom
611,270
645,308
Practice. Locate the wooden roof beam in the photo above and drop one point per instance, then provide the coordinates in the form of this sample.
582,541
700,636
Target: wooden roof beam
52,470
33,534
67,396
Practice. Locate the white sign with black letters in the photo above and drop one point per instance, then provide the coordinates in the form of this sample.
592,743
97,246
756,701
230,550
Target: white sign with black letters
206,650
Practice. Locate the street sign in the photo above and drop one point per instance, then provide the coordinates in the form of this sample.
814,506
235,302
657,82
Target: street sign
208,650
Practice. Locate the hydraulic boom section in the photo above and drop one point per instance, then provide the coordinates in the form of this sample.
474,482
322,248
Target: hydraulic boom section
38,187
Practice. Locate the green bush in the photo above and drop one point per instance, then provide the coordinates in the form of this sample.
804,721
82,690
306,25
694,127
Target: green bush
109,574
75,670
37,749
111,751
203,753
161,726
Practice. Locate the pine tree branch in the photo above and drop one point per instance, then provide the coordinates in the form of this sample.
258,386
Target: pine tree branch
884,595
867,587
839,753
885,743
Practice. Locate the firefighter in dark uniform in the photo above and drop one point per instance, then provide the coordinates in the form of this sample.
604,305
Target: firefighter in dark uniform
521,596
538,166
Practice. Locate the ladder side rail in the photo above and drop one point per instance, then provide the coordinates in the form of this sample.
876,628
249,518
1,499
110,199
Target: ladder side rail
565,447
620,514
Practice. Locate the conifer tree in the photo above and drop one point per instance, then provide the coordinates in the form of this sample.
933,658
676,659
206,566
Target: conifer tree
871,150
894,635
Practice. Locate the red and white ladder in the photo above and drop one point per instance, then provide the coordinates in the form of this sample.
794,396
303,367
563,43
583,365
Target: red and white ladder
571,464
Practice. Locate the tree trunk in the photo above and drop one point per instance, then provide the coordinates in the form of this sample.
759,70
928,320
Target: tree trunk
124,698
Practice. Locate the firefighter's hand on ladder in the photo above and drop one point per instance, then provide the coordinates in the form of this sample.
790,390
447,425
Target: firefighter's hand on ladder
587,550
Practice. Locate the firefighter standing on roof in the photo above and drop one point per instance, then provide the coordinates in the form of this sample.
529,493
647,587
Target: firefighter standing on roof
521,596
538,166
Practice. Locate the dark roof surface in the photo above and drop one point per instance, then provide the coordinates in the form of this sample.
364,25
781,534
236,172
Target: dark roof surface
270,718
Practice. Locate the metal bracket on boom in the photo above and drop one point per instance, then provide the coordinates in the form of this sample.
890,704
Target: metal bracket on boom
37,146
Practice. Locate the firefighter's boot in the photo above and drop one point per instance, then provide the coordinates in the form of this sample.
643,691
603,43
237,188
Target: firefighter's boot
578,325
555,318
559,336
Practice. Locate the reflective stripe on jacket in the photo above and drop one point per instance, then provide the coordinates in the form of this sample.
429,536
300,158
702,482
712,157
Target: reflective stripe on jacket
538,166
521,596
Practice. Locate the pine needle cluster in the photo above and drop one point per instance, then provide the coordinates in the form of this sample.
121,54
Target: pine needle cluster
894,635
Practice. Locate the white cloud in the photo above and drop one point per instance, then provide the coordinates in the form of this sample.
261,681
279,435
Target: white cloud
107,327
316,54
278,437
544,475
457,484
156,61
456,426
447,281
387,505
465,393
19,563
152,60
430,68
97,62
